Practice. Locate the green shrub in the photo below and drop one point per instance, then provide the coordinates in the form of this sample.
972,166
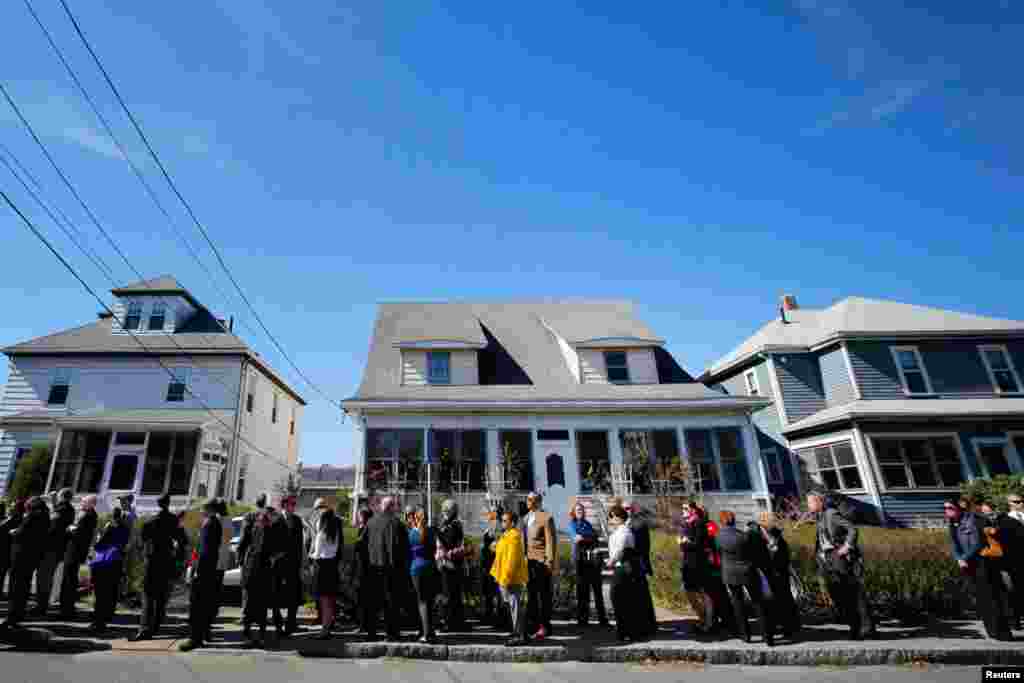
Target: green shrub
31,473
994,490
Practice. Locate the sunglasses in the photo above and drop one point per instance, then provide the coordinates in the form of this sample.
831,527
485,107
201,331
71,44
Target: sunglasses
1016,502
950,507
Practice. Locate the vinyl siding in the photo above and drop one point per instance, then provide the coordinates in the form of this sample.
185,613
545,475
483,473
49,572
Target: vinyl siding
913,509
875,371
642,368
10,442
737,384
592,370
273,439
836,378
800,382
119,384
767,425
177,313
464,369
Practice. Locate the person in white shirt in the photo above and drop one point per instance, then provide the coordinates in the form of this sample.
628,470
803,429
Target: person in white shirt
325,554
626,573
1016,504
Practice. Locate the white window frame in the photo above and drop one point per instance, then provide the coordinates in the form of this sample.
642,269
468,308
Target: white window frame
869,438
831,442
1009,451
160,308
982,348
895,351
753,384
182,375
128,312
62,377
773,451
431,379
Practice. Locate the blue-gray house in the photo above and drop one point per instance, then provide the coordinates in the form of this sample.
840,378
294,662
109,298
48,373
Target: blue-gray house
891,403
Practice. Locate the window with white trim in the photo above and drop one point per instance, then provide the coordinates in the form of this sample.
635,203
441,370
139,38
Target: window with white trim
833,466
753,388
133,315
439,366
60,387
179,385
617,366
918,463
157,317
911,369
1000,369
993,456
772,465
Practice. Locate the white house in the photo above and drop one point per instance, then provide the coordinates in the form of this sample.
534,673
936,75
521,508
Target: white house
580,401
118,422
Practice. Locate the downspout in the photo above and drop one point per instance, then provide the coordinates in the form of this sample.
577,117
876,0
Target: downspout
232,482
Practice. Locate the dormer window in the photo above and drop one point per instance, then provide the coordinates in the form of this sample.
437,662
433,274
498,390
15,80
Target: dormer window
439,365
911,370
1000,368
133,315
157,317
753,388
617,367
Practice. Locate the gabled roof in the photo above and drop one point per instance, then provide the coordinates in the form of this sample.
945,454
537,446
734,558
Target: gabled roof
521,329
165,285
856,317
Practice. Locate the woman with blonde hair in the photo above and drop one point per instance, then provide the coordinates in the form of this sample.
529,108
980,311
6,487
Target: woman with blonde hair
422,568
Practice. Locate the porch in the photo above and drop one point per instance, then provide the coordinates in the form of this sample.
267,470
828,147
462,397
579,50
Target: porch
146,454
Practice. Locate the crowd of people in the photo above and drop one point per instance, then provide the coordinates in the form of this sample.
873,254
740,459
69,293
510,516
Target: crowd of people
406,568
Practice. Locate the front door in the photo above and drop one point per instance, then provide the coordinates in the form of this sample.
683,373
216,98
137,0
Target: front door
554,466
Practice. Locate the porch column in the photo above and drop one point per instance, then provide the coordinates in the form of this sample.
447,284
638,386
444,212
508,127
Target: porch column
359,452
492,456
53,460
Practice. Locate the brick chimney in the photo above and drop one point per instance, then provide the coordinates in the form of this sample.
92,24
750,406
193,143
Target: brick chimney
789,302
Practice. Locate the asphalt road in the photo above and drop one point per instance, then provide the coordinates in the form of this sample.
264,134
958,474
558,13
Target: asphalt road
259,668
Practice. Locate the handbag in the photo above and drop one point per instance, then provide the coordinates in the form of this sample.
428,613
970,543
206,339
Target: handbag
105,557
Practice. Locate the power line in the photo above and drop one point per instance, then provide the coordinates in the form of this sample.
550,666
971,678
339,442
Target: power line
96,259
127,157
150,352
188,206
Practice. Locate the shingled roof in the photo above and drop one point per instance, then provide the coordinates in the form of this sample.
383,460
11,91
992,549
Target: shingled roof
853,317
524,331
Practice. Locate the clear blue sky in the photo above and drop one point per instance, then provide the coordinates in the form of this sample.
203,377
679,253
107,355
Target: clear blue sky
700,160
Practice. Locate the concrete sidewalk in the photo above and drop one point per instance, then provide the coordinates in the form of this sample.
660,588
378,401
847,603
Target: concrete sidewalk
948,642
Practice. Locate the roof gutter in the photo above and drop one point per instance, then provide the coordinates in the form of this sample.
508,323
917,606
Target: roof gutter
869,415
904,336
758,353
745,405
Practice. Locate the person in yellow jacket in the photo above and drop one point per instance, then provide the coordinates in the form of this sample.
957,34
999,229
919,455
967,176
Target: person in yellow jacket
510,573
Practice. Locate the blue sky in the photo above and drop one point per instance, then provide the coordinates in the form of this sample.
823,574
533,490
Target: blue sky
701,160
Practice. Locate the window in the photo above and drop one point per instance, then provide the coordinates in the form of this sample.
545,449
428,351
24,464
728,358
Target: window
393,458
240,491
439,367
516,458
702,460
652,458
169,462
19,453
772,465
122,472
460,457
1000,369
179,383
552,435
291,427
133,316
911,369
735,472
595,462
918,462
60,386
80,461
833,466
157,317
618,367
992,454
753,389
249,401
273,410
130,439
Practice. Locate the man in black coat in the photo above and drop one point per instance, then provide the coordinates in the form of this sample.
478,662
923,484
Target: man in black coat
165,545
743,554
56,545
81,537
642,540
203,590
7,525
28,543
245,542
388,557
288,572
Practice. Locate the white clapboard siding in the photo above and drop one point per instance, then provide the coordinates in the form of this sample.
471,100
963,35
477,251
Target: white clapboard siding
178,311
259,428
464,368
642,368
592,369
120,384
10,442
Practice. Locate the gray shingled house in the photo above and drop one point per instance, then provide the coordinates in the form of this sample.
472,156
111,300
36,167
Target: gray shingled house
579,401
892,403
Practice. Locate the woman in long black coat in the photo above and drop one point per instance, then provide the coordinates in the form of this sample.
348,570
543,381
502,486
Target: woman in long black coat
787,612
258,547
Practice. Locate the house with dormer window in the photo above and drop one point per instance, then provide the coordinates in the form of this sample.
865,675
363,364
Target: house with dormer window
580,401
192,411
891,403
